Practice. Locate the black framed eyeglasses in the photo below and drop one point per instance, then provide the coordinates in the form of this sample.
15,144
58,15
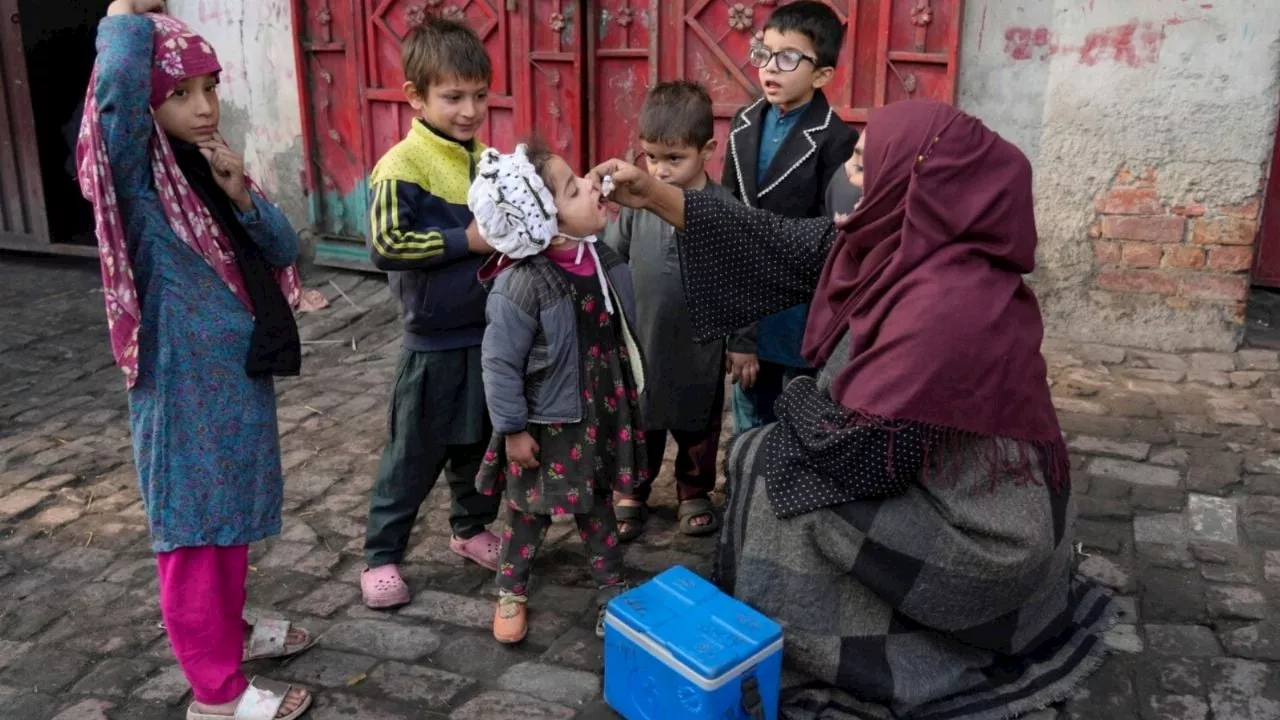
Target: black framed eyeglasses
788,60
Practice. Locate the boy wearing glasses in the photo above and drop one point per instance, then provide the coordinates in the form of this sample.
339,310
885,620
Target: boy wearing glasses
783,150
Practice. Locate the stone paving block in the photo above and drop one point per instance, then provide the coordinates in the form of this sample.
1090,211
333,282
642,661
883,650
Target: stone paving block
493,705
11,652
1179,676
577,648
1258,360
1243,690
451,609
84,560
1166,529
1262,484
29,619
1262,520
1236,602
327,599
1123,638
87,710
1182,641
1158,499
169,686
1172,596
114,677
347,706
1104,446
425,687
475,654
1107,573
554,684
1213,472
1110,695
1170,457
323,668
382,639
1175,707
1220,362
1272,566
17,502
1232,574
1136,473
1212,522
1254,642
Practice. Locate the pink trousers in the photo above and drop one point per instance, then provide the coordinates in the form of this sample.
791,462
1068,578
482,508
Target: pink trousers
202,602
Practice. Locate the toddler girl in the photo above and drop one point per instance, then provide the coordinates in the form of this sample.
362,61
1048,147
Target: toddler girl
561,371
198,275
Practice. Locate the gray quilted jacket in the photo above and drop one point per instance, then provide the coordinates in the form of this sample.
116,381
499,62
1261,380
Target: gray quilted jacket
530,355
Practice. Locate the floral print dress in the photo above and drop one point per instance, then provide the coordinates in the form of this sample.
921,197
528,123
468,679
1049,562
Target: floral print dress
583,463
580,465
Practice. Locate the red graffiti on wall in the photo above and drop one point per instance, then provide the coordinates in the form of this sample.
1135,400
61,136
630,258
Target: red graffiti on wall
1134,44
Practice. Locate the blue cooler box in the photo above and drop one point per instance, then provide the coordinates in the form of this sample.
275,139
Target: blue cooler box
676,648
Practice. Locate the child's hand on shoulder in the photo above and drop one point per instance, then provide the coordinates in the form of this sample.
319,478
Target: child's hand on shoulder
135,7
476,243
522,450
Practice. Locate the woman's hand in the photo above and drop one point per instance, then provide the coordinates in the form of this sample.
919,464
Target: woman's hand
522,450
635,188
228,171
135,7
631,185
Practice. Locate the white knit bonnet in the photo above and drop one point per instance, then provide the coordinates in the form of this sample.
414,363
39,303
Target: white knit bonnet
516,212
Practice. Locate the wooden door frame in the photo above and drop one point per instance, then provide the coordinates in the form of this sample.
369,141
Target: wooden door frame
1268,238
25,155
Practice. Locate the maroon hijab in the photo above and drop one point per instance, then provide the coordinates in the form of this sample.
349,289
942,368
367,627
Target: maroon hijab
926,278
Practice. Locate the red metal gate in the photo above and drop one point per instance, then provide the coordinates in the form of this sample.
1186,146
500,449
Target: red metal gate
1266,262
23,225
575,72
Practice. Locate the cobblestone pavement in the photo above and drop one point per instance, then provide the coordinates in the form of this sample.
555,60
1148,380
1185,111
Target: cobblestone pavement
1177,459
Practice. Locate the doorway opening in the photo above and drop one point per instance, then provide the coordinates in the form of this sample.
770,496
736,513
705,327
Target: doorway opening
1262,316
58,42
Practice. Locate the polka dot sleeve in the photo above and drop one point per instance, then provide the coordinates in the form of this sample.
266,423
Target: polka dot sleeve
741,265
821,454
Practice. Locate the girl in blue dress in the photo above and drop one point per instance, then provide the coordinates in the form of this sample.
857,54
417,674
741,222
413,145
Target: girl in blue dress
199,279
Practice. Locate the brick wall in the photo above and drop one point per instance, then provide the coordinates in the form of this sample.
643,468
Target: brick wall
1188,253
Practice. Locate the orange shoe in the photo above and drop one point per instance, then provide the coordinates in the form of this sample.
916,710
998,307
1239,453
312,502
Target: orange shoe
511,619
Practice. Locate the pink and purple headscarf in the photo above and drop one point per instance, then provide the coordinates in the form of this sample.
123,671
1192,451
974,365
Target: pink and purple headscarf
178,53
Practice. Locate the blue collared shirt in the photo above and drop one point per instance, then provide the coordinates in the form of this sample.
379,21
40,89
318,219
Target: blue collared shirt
777,125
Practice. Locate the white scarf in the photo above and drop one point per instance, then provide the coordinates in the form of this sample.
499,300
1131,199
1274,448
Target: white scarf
515,212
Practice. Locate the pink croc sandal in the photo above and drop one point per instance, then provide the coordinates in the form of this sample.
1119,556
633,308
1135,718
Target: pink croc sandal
483,549
383,588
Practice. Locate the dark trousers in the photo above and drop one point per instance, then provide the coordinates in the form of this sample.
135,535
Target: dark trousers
754,408
696,454
437,422
695,461
598,529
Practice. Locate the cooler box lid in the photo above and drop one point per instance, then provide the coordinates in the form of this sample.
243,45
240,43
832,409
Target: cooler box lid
705,632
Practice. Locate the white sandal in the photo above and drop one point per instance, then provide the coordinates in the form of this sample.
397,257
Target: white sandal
260,701
270,639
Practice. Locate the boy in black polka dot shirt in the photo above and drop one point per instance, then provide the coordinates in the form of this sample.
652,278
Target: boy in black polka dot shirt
783,151
684,395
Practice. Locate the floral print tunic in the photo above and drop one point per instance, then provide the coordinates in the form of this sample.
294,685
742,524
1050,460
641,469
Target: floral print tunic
583,463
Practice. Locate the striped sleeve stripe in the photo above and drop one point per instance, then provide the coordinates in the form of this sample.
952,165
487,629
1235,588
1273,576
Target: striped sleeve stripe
392,242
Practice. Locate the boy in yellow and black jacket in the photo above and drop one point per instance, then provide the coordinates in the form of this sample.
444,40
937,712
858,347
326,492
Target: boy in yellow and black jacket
423,235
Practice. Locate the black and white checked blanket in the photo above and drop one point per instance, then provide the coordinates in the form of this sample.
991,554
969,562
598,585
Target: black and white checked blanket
940,604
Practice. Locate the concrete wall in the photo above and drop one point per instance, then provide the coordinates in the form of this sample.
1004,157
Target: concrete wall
1150,124
261,115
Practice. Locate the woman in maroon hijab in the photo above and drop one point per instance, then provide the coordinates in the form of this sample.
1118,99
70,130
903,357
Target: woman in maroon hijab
909,518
